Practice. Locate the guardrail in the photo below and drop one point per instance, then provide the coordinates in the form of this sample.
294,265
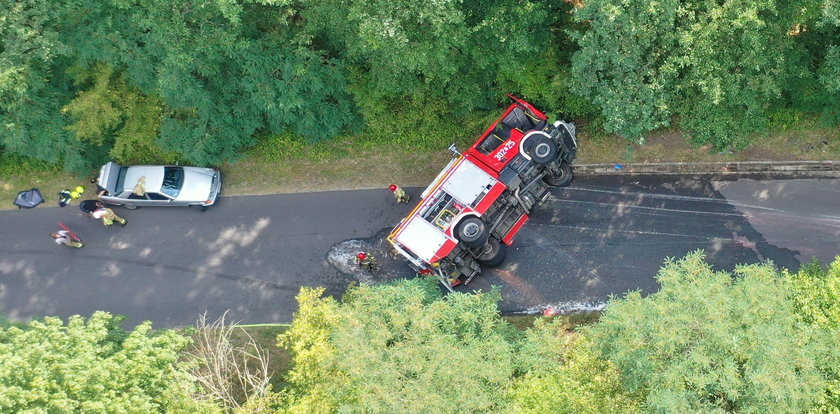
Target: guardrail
827,167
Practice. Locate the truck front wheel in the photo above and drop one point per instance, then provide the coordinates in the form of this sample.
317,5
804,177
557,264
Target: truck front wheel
493,253
561,179
472,232
544,150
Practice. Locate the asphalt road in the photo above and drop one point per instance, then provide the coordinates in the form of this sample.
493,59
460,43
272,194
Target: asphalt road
251,254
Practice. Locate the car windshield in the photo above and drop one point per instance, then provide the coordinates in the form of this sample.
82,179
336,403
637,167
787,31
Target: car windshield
173,179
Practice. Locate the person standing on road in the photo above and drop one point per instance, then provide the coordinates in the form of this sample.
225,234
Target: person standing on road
399,194
366,261
107,215
66,238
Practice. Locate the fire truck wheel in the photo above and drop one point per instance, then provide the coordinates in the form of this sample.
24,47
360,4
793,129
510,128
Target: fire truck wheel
472,232
544,150
560,180
493,253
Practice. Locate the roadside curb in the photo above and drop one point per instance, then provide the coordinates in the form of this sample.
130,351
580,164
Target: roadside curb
801,168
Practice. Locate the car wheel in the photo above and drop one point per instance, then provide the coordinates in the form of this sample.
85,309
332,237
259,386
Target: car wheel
563,178
472,232
200,207
493,253
544,150
130,206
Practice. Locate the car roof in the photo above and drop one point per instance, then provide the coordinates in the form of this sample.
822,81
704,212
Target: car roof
153,174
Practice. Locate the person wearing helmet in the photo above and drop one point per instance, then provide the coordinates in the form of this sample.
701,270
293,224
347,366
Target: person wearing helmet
67,238
399,194
366,261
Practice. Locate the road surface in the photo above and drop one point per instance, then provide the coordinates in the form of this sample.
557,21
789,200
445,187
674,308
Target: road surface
251,254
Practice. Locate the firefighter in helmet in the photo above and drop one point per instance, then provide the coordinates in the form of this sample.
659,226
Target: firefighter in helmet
366,261
399,194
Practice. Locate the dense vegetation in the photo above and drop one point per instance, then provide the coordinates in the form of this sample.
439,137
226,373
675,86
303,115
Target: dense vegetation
159,80
753,341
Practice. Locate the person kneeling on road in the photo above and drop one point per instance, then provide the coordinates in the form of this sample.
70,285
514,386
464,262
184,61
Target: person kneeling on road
366,261
107,215
66,238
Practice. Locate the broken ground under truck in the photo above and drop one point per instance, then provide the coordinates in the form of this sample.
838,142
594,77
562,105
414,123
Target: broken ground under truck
471,212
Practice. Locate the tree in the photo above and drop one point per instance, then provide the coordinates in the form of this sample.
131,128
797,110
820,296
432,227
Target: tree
33,87
399,348
706,342
93,366
109,113
816,297
738,60
453,50
563,374
223,70
720,67
626,62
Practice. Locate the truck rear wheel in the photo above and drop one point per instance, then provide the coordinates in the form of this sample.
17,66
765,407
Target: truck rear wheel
562,179
472,232
493,253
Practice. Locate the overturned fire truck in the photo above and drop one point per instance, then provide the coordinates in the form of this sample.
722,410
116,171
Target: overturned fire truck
471,212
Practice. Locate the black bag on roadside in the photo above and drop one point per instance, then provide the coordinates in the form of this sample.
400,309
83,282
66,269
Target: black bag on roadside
29,198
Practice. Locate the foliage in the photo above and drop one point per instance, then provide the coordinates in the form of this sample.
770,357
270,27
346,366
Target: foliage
313,378
32,85
400,348
93,366
113,114
625,62
816,296
721,67
563,374
452,51
708,343
817,293
220,77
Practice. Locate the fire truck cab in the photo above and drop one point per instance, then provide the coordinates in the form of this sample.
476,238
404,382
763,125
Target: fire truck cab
478,203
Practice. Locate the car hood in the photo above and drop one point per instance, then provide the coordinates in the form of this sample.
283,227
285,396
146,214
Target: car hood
197,184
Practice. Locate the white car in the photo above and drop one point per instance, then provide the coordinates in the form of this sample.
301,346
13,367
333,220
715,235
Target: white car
160,185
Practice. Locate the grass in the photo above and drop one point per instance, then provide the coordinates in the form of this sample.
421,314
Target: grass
411,157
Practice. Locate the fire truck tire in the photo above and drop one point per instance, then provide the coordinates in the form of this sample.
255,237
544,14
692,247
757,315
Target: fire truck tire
472,232
493,253
560,180
544,150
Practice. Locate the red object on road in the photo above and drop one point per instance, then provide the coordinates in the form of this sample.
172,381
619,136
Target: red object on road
73,235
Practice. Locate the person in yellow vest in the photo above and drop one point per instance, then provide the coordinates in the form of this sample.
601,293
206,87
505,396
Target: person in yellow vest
399,194
107,215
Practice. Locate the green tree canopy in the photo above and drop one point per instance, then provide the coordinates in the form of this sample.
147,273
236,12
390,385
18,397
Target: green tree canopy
399,348
706,342
93,366
33,86
721,67
816,296
562,373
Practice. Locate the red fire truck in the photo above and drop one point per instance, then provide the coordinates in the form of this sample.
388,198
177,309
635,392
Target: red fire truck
472,211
